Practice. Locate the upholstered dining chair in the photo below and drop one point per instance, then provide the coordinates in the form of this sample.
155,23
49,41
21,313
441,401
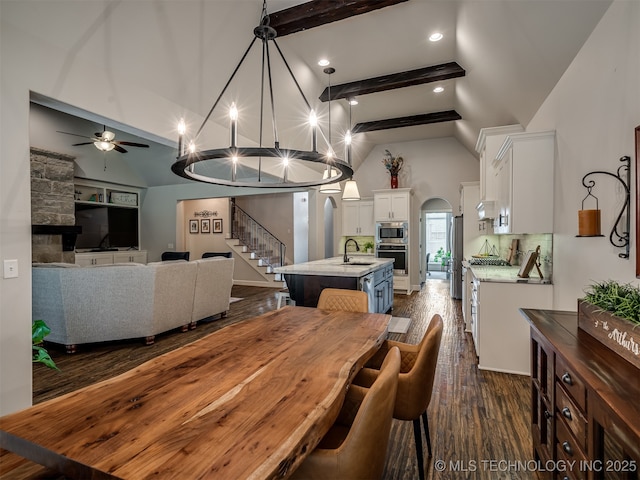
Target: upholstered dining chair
174,256
355,447
216,254
415,381
343,299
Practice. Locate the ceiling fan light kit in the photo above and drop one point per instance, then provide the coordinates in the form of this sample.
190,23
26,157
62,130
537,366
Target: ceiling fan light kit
105,141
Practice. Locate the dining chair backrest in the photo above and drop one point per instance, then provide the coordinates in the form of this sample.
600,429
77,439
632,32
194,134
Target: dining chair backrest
417,375
344,300
166,256
216,254
358,450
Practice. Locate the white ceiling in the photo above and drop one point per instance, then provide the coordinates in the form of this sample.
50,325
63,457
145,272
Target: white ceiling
513,51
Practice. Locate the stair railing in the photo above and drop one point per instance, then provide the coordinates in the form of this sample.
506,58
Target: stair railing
258,240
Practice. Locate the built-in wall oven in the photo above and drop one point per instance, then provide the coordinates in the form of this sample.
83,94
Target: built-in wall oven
392,232
395,251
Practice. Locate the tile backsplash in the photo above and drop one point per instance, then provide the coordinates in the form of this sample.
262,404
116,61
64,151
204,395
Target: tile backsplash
526,244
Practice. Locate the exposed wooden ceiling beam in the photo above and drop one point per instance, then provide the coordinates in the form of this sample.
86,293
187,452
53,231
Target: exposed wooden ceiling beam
423,119
320,12
434,73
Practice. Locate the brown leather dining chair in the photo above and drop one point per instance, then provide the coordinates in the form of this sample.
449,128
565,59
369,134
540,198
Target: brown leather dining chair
415,381
343,299
355,447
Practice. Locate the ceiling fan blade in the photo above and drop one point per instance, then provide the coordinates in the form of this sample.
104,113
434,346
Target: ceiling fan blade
133,144
118,148
83,143
74,134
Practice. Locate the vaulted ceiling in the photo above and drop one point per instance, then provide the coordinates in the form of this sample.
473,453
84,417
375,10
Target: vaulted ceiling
497,62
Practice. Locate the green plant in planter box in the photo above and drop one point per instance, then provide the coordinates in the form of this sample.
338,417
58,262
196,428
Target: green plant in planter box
39,330
622,300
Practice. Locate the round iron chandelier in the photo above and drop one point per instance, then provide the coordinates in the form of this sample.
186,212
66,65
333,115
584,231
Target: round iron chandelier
191,163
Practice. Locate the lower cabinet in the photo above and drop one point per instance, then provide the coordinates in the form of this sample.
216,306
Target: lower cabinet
383,290
88,259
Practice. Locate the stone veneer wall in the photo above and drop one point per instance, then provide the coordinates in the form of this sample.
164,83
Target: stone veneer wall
52,203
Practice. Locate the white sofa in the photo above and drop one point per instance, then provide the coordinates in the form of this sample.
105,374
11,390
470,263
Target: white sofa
122,301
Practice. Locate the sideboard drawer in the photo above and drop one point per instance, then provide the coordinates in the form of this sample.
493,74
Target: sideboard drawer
571,382
571,415
566,444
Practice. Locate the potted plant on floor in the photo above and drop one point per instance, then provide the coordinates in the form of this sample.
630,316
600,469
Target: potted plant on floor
610,312
39,330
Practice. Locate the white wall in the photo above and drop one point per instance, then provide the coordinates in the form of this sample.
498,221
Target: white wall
432,168
594,109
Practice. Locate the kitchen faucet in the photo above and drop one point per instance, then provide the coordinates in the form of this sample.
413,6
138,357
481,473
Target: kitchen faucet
346,259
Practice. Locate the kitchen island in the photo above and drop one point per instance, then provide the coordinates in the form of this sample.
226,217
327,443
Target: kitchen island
367,273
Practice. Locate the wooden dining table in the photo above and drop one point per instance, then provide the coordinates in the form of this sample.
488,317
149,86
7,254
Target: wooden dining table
249,401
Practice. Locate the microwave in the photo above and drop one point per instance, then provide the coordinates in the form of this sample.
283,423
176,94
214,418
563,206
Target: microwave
392,232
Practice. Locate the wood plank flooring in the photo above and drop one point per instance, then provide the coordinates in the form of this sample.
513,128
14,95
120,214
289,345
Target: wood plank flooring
479,420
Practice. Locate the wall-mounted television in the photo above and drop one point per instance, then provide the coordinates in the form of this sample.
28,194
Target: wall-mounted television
106,227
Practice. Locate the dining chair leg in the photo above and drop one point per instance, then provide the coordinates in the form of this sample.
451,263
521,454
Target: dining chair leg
425,423
417,433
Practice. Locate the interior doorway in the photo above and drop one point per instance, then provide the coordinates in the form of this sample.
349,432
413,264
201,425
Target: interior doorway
435,218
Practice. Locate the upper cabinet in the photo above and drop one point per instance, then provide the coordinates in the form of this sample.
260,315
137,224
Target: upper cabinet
357,218
392,205
489,142
523,176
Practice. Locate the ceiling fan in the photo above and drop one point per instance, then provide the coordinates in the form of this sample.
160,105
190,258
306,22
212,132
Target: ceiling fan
105,141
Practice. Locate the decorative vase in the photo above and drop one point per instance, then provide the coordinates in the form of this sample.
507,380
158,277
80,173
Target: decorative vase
394,181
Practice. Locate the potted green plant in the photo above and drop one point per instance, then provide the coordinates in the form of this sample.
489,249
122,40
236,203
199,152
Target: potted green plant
368,247
610,312
442,257
39,330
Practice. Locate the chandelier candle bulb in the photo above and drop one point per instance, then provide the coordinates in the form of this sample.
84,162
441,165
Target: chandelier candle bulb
233,128
313,121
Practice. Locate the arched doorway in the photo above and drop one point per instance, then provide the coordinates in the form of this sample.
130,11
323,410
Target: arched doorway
435,219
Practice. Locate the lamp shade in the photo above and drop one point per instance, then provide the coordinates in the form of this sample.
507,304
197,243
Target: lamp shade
351,191
330,187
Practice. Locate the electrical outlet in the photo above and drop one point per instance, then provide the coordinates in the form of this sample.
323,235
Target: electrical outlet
10,269
170,245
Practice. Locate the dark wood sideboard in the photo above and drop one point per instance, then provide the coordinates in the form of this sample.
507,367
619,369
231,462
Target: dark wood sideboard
585,402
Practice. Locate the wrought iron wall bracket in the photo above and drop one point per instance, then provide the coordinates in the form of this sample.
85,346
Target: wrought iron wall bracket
617,238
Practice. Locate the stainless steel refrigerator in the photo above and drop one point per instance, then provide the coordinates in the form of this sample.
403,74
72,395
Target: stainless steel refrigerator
455,246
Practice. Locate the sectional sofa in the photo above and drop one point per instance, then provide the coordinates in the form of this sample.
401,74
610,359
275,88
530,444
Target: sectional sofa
123,301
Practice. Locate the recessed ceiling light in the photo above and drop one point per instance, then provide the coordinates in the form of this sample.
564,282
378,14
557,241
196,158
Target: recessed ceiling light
323,62
434,37
438,90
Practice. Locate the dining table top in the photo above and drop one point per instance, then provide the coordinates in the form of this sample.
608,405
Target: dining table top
248,401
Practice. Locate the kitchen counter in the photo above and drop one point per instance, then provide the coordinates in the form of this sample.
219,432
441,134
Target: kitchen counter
360,266
372,275
490,273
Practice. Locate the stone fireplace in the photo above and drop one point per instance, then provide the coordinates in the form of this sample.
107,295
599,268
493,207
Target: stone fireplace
52,207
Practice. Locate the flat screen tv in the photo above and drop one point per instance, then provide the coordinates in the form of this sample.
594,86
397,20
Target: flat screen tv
106,227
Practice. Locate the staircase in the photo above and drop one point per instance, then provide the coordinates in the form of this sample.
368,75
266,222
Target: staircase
256,245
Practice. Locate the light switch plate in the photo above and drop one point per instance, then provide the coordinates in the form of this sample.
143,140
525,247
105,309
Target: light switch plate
10,269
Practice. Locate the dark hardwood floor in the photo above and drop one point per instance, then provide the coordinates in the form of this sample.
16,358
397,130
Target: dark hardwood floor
479,420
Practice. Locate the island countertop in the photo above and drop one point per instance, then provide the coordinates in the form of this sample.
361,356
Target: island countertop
360,266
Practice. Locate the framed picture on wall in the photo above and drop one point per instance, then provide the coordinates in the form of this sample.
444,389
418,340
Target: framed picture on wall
205,225
217,225
193,226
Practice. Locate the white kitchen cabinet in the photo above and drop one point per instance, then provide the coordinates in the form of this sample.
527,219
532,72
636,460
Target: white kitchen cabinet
94,258
524,174
489,142
473,228
130,256
86,259
501,334
392,205
357,218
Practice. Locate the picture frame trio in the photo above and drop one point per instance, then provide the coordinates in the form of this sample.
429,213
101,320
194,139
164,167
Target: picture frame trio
205,225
